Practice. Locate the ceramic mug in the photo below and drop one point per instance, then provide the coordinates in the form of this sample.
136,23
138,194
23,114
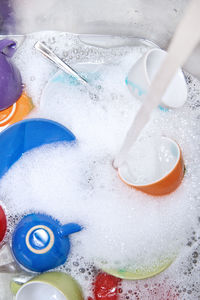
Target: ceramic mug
10,80
41,243
48,286
143,72
26,135
166,180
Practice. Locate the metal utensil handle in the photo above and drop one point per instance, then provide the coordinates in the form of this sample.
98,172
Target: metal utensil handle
56,60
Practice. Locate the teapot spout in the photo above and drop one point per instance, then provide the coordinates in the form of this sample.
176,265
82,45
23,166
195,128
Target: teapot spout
70,228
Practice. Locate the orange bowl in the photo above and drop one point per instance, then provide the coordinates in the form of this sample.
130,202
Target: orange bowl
16,112
166,183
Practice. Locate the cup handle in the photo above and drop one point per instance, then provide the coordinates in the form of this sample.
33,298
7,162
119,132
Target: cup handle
7,47
69,229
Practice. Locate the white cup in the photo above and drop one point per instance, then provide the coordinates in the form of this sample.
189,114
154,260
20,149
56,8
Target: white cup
143,72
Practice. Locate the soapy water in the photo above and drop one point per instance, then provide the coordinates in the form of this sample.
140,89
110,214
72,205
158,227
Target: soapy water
78,183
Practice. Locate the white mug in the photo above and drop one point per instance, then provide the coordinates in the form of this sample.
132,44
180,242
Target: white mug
47,286
143,72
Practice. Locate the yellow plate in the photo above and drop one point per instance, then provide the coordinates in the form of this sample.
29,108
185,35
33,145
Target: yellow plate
140,274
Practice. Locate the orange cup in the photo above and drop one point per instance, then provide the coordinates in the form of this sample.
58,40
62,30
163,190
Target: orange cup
166,183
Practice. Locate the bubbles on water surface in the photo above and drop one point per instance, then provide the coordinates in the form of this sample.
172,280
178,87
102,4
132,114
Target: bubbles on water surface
85,187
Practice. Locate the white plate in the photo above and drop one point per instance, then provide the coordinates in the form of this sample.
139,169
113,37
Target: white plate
90,71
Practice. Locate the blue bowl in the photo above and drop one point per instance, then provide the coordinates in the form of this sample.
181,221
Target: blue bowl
26,135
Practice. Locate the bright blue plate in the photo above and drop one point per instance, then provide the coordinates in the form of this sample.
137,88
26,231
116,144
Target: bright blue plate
26,135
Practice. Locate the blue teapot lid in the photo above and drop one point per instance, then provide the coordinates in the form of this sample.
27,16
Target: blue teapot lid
41,243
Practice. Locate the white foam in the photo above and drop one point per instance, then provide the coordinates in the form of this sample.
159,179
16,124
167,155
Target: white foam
78,183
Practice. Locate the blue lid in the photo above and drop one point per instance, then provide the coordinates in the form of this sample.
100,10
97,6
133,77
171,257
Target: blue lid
38,243
41,243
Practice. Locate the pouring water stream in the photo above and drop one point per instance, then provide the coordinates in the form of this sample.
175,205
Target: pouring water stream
185,39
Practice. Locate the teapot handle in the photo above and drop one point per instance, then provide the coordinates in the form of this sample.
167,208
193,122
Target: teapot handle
7,47
69,229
